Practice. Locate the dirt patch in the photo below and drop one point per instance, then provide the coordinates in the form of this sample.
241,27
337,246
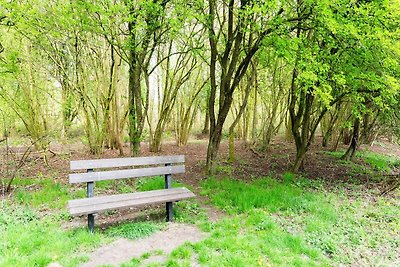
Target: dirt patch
123,250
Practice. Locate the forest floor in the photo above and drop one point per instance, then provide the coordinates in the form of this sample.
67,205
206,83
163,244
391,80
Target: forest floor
253,210
321,163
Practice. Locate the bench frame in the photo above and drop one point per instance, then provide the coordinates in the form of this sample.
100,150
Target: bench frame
90,177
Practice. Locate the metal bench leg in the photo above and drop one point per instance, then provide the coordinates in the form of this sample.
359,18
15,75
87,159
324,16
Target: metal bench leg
168,205
90,189
169,211
90,218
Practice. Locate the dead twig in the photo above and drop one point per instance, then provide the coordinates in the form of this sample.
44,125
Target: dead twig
252,149
392,184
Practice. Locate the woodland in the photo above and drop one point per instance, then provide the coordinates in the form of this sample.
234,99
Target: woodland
258,93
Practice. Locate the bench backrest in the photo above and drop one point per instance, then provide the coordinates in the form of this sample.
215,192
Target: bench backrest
91,165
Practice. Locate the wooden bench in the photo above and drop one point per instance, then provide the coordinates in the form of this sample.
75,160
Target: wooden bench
99,170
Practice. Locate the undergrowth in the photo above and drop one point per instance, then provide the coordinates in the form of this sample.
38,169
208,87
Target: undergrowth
30,239
375,161
30,222
44,192
284,223
292,221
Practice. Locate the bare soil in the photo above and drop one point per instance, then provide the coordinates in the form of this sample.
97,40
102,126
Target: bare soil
158,245
249,163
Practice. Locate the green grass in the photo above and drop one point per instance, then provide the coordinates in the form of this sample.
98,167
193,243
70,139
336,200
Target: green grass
335,154
154,183
380,162
31,221
189,211
132,185
284,223
134,230
376,161
249,239
44,192
137,261
268,193
29,239
121,186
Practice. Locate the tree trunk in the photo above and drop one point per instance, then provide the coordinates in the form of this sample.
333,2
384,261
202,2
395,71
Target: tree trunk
216,135
351,151
213,147
327,137
135,106
155,144
206,128
237,119
233,60
186,116
299,161
336,146
254,122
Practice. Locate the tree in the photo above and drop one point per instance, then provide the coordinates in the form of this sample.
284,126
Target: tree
177,71
236,32
247,89
336,57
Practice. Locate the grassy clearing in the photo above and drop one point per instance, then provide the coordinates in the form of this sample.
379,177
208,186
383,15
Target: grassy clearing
30,239
31,222
286,224
292,221
248,239
380,162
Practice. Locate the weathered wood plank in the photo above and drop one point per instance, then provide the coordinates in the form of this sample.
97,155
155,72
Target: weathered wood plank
99,204
124,162
121,174
123,197
128,204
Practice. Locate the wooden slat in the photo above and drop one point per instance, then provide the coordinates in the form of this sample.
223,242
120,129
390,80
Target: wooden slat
121,197
125,162
98,204
121,174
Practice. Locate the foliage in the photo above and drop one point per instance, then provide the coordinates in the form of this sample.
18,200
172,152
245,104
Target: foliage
120,186
115,68
380,162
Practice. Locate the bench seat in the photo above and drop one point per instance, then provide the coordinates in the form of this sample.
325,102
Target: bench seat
104,203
